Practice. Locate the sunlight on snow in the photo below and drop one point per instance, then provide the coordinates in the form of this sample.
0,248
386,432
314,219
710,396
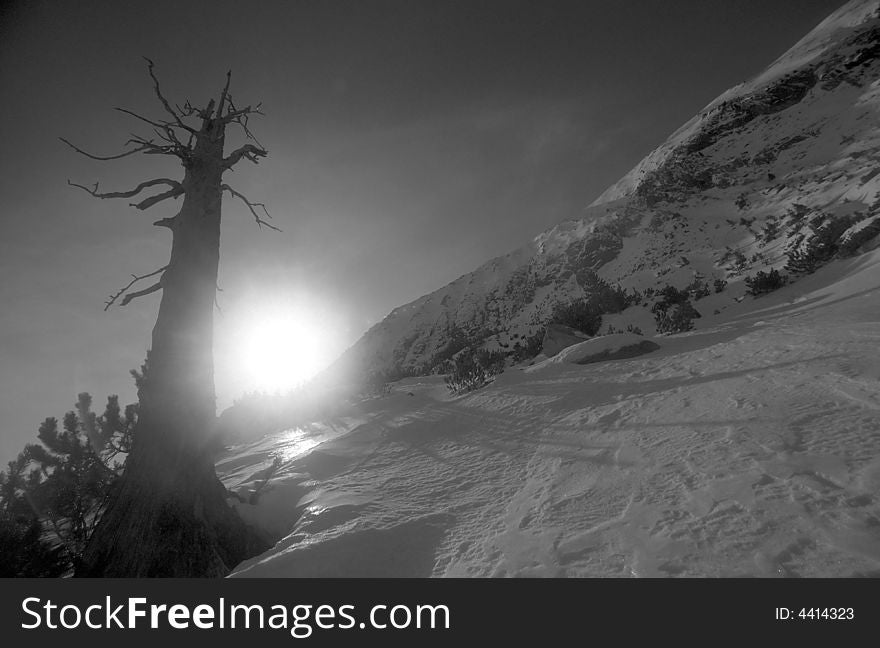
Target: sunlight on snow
294,442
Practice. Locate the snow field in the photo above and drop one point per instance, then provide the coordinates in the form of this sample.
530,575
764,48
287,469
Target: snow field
750,447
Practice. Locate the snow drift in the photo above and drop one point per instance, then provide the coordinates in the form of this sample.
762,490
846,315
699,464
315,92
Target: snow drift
604,348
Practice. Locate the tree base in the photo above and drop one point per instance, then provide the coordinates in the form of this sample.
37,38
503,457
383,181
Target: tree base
182,527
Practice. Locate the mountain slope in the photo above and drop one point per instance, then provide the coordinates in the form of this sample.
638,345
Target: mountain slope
748,448
745,448
734,190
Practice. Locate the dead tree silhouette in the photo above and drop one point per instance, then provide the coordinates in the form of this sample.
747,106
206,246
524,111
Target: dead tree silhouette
169,515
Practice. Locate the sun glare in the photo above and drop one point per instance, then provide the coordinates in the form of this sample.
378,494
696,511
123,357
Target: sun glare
280,350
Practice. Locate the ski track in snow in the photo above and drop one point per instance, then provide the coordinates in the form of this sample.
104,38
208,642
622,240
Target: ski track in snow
748,448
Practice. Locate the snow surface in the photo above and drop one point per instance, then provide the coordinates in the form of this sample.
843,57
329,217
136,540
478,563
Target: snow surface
605,344
749,447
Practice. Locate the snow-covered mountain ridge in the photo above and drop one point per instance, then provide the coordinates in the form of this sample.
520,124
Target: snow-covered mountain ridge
746,448
730,193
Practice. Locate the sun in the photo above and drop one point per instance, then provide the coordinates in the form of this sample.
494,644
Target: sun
283,348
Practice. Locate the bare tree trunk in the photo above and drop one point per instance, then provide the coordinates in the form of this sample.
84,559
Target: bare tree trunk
169,515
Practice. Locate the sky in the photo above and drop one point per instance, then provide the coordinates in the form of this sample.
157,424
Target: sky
409,142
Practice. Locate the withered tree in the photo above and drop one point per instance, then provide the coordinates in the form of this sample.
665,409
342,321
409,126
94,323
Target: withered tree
169,515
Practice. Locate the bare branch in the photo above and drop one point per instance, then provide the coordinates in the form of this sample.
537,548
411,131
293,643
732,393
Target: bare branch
140,293
151,148
252,206
144,119
135,278
176,190
171,139
243,122
145,145
153,200
164,101
240,117
188,109
247,110
166,222
248,151
234,113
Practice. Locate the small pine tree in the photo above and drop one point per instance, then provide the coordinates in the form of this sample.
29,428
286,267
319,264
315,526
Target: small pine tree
770,231
851,244
601,295
528,347
53,494
819,248
473,369
676,318
669,296
765,282
580,314
634,297
466,375
24,549
698,289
